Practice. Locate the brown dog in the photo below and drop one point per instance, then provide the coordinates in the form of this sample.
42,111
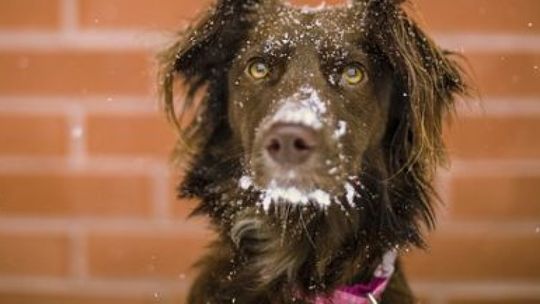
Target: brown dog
314,148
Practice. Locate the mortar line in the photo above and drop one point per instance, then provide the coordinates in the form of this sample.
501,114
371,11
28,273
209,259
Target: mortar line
470,41
84,40
500,107
436,299
78,253
126,165
509,106
119,166
484,289
77,137
143,227
494,167
160,196
92,286
121,105
442,183
72,37
69,16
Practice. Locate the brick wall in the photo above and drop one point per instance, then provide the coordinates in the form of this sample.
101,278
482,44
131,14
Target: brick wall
87,213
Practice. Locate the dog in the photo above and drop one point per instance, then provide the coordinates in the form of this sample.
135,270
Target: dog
315,136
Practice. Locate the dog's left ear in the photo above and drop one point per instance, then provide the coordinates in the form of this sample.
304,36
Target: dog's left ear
427,80
429,77
200,57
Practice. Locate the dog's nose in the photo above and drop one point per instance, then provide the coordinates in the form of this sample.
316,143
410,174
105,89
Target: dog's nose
290,144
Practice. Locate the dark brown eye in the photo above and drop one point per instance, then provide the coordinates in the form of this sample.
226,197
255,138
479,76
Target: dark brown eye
258,70
353,74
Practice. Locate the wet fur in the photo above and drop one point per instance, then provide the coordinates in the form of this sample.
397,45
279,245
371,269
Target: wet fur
271,258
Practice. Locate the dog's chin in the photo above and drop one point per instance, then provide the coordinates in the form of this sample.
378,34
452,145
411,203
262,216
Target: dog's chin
290,190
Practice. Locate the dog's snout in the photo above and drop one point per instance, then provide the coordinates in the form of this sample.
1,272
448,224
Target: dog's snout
290,144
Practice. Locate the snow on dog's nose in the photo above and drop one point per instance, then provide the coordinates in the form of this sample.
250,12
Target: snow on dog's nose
293,133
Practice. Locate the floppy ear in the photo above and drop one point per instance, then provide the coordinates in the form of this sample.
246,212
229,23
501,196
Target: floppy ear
427,81
200,58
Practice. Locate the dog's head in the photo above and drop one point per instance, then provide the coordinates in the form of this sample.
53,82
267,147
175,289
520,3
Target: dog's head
337,111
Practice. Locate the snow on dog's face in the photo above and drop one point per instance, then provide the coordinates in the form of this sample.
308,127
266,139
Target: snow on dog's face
307,102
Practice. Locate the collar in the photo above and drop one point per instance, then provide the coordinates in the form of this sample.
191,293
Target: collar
369,293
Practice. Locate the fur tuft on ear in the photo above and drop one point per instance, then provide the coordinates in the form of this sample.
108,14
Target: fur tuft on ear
428,80
199,58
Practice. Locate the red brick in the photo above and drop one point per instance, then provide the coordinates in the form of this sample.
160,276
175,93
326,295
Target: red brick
26,134
75,195
31,298
495,138
168,14
506,74
155,256
141,134
72,72
181,208
39,254
454,16
500,198
514,300
481,15
29,14
463,258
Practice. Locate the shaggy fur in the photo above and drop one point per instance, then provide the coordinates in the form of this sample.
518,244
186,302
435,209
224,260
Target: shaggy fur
393,144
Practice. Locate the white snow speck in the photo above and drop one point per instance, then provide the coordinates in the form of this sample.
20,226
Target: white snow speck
292,112
321,197
350,193
313,100
304,107
387,267
275,194
245,182
341,129
77,132
291,174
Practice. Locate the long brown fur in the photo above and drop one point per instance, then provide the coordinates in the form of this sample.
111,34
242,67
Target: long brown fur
291,255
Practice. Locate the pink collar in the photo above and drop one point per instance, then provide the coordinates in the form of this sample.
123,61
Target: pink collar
364,293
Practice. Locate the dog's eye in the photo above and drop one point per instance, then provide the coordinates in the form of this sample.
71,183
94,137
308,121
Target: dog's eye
258,70
353,74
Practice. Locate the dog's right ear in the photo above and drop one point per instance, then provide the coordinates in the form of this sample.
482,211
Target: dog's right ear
199,57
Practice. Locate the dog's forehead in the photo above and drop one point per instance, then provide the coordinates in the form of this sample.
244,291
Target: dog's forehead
291,26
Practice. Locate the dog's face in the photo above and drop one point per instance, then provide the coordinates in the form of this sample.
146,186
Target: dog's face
306,101
338,111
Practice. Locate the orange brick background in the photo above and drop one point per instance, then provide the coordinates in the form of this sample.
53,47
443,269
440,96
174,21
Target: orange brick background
87,211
